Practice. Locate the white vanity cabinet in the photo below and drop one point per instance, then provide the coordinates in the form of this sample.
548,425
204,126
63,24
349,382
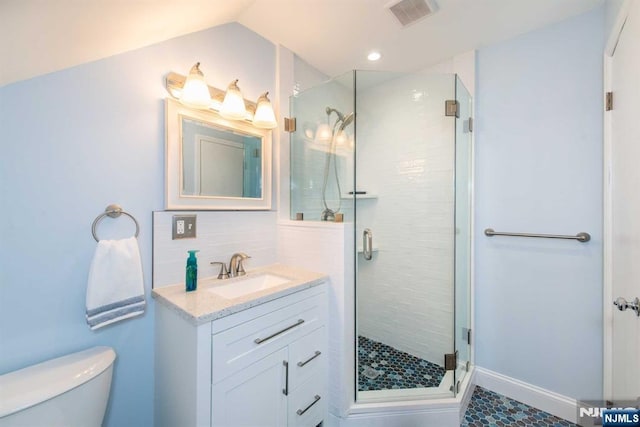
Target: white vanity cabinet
263,366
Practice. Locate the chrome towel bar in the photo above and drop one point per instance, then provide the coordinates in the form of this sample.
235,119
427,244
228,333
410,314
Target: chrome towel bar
112,211
580,237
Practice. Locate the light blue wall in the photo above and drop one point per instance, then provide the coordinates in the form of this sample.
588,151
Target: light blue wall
73,142
539,169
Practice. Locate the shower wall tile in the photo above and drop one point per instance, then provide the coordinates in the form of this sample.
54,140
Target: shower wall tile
219,235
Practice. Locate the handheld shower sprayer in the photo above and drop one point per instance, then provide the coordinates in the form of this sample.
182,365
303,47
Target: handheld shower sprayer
328,214
346,121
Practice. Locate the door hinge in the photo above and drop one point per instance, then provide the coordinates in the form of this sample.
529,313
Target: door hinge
468,365
290,124
470,126
450,361
609,101
451,108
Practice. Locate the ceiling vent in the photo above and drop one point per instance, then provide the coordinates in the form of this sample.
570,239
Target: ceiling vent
408,12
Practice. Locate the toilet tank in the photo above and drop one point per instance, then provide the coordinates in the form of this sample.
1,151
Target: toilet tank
71,390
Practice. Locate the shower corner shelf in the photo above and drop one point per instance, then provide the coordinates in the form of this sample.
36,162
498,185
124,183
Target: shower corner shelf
359,196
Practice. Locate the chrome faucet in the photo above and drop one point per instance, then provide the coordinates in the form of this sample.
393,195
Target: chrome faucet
224,273
235,264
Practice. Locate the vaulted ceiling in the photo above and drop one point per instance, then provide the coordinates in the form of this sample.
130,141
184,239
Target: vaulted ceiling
42,36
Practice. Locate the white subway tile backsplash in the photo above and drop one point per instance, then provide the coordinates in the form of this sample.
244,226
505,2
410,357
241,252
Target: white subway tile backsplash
219,235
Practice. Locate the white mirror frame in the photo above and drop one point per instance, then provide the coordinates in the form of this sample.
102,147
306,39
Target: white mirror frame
174,200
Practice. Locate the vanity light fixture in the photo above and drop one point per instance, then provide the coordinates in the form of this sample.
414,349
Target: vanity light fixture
233,105
264,117
323,133
195,92
341,138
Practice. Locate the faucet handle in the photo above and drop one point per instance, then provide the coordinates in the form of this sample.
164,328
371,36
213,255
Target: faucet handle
224,273
243,256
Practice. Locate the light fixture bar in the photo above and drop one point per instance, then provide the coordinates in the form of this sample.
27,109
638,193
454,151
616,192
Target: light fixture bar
175,82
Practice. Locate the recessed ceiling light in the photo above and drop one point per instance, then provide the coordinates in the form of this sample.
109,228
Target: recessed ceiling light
374,56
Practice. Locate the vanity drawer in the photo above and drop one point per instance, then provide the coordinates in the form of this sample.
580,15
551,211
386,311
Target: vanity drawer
237,347
308,403
307,356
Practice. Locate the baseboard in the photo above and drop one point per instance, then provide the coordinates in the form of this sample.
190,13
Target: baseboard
556,404
467,386
440,417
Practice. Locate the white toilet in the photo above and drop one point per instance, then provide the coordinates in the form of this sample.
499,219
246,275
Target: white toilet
72,390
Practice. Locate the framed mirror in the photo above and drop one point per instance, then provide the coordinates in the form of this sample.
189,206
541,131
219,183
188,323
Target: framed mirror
213,163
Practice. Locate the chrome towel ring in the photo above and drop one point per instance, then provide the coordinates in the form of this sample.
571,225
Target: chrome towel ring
112,211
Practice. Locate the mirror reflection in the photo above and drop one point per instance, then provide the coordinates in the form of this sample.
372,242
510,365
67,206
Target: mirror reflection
219,162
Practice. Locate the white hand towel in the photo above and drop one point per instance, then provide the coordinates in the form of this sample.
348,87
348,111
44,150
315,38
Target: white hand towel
115,290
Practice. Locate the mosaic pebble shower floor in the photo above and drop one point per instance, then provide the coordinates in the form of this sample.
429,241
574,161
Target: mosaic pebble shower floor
487,408
394,368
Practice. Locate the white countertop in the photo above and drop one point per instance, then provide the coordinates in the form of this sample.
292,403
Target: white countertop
202,306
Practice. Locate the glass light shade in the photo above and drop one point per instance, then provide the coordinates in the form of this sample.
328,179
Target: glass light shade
308,133
341,138
233,107
323,133
195,92
264,117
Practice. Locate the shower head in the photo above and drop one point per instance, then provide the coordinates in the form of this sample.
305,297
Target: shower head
346,121
342,119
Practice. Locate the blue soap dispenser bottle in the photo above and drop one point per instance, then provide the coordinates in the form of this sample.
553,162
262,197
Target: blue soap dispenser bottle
191,280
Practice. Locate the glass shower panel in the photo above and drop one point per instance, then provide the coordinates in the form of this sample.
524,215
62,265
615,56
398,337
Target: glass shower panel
463,144
404,215
322,150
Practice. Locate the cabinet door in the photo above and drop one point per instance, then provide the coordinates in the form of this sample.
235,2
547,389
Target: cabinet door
253,397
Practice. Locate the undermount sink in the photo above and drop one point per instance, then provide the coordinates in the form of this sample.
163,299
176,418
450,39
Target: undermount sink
248,285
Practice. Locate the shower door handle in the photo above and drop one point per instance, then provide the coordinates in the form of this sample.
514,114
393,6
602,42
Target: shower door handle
367,244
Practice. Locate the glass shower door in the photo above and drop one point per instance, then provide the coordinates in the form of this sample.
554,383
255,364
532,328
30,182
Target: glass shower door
404,196
463,180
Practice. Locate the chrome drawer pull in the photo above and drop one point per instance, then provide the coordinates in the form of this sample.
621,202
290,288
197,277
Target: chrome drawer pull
285,390
301,364
302,411
261,340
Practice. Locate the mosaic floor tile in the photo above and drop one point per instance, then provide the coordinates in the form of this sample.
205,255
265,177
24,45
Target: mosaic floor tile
381,367
487,408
